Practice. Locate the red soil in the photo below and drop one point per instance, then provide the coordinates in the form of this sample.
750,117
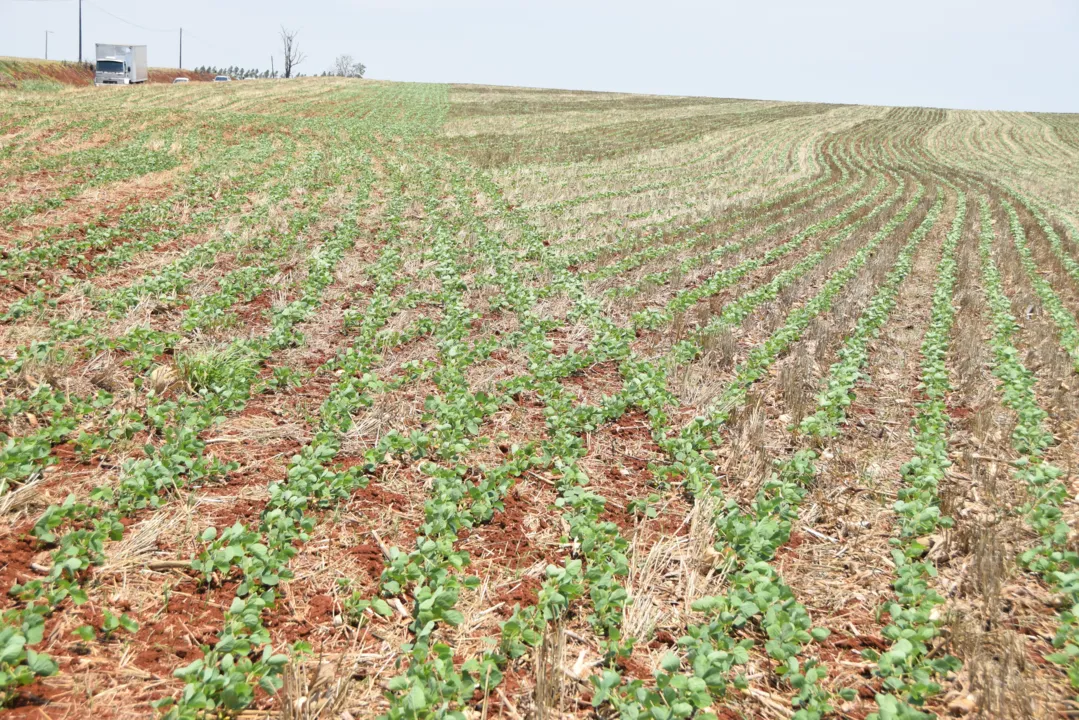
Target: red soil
72,73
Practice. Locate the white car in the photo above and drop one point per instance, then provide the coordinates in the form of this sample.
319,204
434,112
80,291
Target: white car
180,80
222,78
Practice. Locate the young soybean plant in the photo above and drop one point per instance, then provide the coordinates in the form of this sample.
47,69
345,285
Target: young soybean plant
20,665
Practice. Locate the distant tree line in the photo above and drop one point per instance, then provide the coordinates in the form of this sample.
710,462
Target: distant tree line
343,65
238,73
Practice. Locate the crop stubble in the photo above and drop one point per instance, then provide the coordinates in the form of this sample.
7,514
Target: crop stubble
524,403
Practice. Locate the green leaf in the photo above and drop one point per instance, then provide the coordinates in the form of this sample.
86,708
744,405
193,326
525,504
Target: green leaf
416,699
12,649
41,664
35,633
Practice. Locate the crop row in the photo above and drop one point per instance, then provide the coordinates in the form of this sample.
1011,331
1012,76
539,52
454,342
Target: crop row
1063,318
908,667
602,548
66,413
746,539
700,259
78,530
1051,559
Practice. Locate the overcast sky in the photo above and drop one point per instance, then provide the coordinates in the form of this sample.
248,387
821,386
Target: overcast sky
984,54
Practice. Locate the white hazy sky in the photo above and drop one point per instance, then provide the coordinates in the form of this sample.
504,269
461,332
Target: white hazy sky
984,54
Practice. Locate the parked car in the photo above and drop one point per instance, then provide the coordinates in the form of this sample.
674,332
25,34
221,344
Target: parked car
180,80
222,78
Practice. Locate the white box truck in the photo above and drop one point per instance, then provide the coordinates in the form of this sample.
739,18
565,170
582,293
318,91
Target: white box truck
120,64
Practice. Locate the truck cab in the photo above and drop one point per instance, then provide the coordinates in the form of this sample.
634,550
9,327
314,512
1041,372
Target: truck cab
111,71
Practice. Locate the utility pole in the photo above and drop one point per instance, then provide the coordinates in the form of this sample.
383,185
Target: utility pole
47,34
273,73
181,48
80,31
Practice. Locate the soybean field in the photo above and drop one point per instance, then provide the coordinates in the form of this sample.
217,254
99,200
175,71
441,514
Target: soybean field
331,398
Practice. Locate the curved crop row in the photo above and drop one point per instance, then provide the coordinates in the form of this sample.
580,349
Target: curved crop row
1064,319
1052,559
698,260
907,667
724,278
746,539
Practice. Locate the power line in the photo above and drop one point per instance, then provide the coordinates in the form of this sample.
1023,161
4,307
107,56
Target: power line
133,24
129,22
202,40
107,12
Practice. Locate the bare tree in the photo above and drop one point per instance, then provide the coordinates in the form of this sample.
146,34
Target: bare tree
342,65
293,55
345,66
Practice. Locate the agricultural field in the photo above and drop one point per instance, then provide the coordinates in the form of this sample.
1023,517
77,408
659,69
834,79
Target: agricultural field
350,399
